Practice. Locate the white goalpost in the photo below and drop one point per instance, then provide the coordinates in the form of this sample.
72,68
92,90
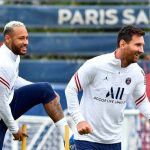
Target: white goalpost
130,130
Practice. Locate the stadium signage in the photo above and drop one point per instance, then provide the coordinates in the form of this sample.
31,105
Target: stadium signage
77,16
104,16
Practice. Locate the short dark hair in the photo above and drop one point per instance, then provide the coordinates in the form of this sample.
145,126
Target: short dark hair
127,32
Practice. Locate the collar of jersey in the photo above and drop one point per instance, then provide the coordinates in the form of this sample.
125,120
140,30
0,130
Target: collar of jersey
9,52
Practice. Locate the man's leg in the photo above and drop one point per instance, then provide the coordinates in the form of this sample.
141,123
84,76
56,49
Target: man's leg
28,96
54,109
24,99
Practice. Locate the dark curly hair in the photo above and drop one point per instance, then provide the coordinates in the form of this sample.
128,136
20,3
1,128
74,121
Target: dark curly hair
127,32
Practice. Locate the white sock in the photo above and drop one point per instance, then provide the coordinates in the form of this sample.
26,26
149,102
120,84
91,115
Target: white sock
61,126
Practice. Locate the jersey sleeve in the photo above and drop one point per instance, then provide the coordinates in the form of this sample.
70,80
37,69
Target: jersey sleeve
21,82
140,96
139,93
5,110
78,82
4,79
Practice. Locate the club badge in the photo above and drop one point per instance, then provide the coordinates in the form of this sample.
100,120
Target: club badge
128,80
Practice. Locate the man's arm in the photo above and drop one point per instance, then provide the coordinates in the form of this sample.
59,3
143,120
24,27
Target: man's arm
79,81
5,111
73,102
144,108
140,96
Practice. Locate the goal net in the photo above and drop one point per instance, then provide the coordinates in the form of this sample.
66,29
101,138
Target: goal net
44,136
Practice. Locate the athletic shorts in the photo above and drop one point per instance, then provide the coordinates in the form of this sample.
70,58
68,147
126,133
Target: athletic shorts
86,145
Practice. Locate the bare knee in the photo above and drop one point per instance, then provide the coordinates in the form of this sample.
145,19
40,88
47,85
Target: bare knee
57,97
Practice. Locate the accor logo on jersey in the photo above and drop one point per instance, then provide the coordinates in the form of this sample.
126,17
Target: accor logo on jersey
117,95
112,96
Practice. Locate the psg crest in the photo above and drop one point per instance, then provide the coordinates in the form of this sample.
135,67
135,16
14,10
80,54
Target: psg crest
128,80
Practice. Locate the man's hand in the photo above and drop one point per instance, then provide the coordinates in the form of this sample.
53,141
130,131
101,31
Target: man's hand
19,135
84,127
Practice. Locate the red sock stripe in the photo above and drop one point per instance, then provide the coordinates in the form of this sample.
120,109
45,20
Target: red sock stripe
140,99
77,82
4,82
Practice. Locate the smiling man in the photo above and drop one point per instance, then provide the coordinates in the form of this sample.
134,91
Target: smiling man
107,82
18,95
16,38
